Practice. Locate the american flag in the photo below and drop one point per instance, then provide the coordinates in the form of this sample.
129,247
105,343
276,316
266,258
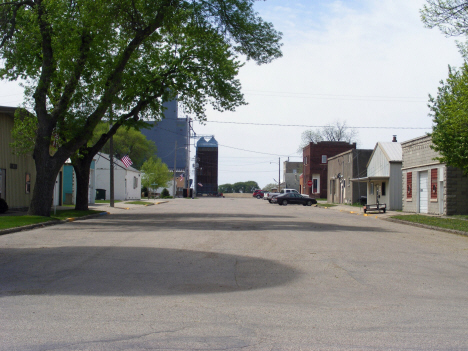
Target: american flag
126,161
182,176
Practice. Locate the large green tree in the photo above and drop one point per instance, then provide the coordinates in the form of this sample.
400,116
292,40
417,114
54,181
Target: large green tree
127,141
81,59
449,111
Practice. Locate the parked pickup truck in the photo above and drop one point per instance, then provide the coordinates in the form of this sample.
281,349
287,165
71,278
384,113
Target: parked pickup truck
269,196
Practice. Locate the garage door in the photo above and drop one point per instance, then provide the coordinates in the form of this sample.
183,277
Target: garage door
423,192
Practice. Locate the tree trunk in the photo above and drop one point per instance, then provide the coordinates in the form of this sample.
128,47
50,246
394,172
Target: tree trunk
82,170
46,174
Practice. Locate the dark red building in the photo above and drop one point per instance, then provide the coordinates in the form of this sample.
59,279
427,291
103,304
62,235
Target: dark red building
315,158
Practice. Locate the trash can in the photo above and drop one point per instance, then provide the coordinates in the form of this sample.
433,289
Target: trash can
363,200
100,194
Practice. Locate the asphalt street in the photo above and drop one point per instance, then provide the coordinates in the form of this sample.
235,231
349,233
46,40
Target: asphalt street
233,274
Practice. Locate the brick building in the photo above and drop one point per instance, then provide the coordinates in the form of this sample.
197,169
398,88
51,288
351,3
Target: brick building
428,185
315,159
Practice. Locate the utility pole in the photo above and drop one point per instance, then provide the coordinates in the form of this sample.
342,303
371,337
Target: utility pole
279,175
111,162
175,160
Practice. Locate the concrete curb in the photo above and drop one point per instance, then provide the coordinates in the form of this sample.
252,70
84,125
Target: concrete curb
50,223
419,225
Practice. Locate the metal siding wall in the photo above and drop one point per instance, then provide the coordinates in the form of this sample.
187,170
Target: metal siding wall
395,186
16,196
379,165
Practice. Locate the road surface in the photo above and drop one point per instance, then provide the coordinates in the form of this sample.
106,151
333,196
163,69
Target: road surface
233,274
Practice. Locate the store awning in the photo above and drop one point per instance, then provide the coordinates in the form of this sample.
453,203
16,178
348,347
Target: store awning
370,179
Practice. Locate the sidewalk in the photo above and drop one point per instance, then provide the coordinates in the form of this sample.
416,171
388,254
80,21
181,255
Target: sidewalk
122,206
357,210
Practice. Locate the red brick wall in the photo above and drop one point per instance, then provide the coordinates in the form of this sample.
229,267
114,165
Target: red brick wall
313,152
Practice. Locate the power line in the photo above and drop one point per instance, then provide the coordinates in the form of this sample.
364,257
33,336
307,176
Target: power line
336,96
309,126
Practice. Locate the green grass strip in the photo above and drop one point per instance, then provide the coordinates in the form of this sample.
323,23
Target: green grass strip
7,222
144,203
325,205
448,223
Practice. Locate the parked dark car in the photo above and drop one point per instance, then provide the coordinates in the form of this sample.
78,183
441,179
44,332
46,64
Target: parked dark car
293,198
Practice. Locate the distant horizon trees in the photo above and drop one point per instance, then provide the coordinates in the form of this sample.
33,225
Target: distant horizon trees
240,187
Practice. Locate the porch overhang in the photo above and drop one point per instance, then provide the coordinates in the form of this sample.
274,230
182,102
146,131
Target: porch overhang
370,179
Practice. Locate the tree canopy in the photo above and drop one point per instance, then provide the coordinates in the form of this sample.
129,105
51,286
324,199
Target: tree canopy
127,141
81,59
239,187
450,16
155,174
336,131
270,186
449,111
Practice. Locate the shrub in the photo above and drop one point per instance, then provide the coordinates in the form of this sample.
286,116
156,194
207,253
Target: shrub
165,193
3,206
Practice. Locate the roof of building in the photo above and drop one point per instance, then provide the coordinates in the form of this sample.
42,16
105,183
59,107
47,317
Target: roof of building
420,138
349,151
392,151
210,143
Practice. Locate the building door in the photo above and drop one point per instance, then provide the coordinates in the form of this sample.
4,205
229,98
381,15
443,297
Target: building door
315,183
2,183
423,192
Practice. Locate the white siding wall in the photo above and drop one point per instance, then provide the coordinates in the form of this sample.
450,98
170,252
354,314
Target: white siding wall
133,193
378,165
123,180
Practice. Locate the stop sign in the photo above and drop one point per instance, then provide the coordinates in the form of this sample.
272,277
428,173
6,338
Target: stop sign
309,183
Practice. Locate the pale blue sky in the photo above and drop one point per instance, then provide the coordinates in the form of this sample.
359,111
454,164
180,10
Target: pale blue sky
367,62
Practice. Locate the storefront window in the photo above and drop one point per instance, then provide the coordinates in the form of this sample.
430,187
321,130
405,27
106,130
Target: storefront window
409,185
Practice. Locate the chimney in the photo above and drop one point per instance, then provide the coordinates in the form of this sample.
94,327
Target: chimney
394,139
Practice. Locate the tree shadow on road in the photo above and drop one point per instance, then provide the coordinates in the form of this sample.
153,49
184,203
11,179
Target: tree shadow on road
134,271
217,222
